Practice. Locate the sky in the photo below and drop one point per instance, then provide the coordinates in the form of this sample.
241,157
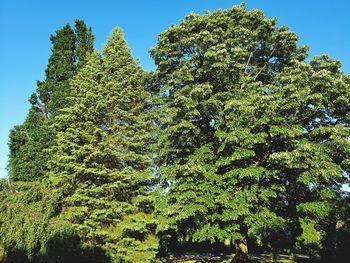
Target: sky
25,28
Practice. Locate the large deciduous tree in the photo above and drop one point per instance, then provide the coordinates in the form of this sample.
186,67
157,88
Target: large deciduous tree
253,140
101,162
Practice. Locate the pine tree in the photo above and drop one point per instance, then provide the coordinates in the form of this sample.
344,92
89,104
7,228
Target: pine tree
101,162
53,91
30,141
247,144
84,42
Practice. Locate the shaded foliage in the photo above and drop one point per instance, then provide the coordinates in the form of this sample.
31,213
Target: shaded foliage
24,218
336,230
30,231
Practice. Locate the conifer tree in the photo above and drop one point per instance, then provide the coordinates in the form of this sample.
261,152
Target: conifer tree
101,162
253,143
84,42
52,92
30,141
28,145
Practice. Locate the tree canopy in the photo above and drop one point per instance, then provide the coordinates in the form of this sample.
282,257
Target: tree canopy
238,142
101,161
30,141
253,141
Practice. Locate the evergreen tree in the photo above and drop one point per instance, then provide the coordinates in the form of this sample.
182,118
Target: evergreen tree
101,162
84,42
30,141
28,145
61,66
253,139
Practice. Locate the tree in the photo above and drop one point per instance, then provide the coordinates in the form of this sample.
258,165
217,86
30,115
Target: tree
84,42
100,161
335,229
30,231
254,139
24,220
30,141
70,48
28,145
61,66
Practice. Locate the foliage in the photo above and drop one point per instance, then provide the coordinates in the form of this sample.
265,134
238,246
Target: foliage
30,231
28,148
309,241
100,162
336,230
30,141
4,185
24,219
237,140
253,140
69,51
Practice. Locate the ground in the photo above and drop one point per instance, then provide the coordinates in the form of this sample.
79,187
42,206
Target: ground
223,258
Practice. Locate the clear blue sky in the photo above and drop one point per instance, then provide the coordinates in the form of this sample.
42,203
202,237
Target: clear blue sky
25,27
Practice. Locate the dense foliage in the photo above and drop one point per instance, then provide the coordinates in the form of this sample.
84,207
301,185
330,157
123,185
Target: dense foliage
237,142
101,160
254,140
31,232
30,141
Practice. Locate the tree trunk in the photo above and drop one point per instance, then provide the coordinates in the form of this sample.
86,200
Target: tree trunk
241,252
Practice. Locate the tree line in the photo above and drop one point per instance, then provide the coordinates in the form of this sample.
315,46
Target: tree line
237,142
